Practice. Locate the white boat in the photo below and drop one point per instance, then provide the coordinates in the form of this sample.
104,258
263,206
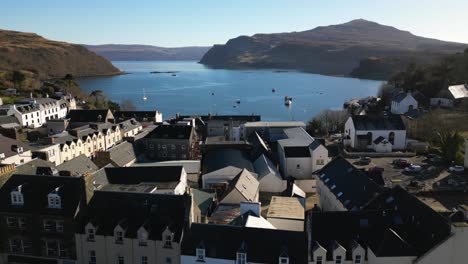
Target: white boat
144,98
287,100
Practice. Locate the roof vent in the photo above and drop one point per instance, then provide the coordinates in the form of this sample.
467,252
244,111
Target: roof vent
2,155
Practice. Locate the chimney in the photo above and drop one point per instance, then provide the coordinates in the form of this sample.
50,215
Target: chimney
254,207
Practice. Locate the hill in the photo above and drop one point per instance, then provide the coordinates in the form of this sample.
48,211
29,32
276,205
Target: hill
39,58
332,50
147,52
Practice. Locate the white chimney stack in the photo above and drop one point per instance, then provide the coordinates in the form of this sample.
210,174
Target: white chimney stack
255,207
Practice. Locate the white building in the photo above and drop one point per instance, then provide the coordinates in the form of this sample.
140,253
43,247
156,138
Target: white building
361,132
13,151
118,229
268,176
300,154
27,115
35,112
403,103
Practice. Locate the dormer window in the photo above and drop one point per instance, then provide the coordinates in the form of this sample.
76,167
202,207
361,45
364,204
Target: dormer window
118,237
200,254
319,260
168,241
17,197
54,200
283,260
338,259
90,233
241,258
142,238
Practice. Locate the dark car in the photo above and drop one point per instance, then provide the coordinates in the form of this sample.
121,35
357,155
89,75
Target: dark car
376,169
402,163
364,161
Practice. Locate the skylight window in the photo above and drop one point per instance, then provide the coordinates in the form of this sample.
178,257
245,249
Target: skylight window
333,187
322,175
327,180
339,194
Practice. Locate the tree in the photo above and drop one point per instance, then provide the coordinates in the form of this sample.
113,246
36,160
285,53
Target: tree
69,79
127,105
96,94
18,78
329,121
451,146
113,106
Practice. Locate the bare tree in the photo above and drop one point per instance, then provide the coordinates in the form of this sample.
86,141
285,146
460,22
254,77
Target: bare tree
127,105
329,121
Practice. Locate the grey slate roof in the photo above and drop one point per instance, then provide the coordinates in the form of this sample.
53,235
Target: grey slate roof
261,245
264,167
30,168
90,116
220,158
204,200
122,154
352,187
171,132
399,97
136,175
78,166
5,119
370,122
7,144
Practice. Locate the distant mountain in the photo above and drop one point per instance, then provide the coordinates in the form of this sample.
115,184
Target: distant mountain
147,52
42,58
333,50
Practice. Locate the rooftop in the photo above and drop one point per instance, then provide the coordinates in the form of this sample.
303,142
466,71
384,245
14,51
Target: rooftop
286,207
368,122
459,91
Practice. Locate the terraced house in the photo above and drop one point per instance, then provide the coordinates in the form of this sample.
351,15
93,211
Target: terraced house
37,214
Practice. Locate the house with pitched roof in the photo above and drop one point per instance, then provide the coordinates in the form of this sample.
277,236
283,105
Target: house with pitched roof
403,103
300,155
128,223
170,142
37,215
14,151
365,132
268,176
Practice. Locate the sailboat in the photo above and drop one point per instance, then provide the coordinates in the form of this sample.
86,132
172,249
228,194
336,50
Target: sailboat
144,98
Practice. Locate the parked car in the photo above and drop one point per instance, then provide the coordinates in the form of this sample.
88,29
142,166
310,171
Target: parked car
364,161
402,163
413,168
457,168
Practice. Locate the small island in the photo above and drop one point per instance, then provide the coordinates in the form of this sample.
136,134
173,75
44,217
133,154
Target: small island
170,72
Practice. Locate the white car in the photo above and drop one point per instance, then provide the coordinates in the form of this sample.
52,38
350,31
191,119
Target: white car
456,168
413,168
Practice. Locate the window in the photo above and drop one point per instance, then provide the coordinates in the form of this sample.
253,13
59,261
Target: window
90,233
319,260
283,260
21,223
59,226
11,221
183,147
172,147
49,225
391,138
338,259
151,146
241,258
168,260
17,197
120,260
118,237
144,260
200,254
168,242
54,200
15,245
357,259
164,147
320,162
143,237
298,166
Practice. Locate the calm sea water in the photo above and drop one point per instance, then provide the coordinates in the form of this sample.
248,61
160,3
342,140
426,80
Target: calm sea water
199,90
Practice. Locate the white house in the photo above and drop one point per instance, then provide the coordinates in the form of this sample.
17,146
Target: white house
13,151
35,112
361,132
27,115
269,177
300,154
402,103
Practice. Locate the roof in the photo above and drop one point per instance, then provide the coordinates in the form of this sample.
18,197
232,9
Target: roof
350,185
245,184
265,167
5,119
286,208
133,210
204,200
459,91
190,166
275,124
78,166
136,175
129,124
97,115
298,142
261,245
30,168
122,154
35,189
141,116
7,146
171,132
371,122
401,96
246,118
220,158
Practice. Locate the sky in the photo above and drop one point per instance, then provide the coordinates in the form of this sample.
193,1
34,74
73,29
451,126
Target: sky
179,23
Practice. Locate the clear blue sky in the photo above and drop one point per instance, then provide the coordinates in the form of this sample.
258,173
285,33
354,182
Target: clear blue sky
206,22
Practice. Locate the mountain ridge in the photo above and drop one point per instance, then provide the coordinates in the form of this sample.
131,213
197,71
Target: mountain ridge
333,50
142,52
